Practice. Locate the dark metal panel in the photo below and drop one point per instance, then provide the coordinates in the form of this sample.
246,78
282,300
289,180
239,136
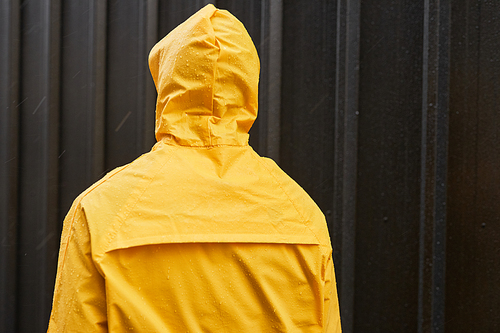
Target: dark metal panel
307,117
97,55
273,75
81,152
463,225
151,23
172,13
260,130
473,230
370,149
127,74
9,127
148,12
389,136
39,225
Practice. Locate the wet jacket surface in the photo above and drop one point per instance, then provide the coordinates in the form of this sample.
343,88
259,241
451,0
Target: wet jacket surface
201,234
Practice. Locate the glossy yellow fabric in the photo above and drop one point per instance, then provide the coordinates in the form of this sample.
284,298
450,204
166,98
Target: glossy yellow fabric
201,234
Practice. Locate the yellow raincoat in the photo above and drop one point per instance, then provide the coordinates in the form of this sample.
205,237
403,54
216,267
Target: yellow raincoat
201,234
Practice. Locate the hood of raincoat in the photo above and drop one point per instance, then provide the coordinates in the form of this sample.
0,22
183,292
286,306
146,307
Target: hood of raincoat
206,72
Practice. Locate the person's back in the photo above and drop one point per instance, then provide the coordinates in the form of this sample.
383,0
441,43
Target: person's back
201,234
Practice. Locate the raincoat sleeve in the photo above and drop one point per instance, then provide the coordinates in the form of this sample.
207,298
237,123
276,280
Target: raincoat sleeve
331,303
79,303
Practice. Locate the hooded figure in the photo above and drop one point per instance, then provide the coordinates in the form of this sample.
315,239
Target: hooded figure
201,234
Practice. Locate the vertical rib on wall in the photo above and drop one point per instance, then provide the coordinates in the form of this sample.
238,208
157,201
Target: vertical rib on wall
9,161
435,108
346,154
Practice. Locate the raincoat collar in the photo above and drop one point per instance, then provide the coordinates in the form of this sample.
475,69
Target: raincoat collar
206,73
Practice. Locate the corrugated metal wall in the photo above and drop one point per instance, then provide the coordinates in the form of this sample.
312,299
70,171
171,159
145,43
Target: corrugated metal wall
386,112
